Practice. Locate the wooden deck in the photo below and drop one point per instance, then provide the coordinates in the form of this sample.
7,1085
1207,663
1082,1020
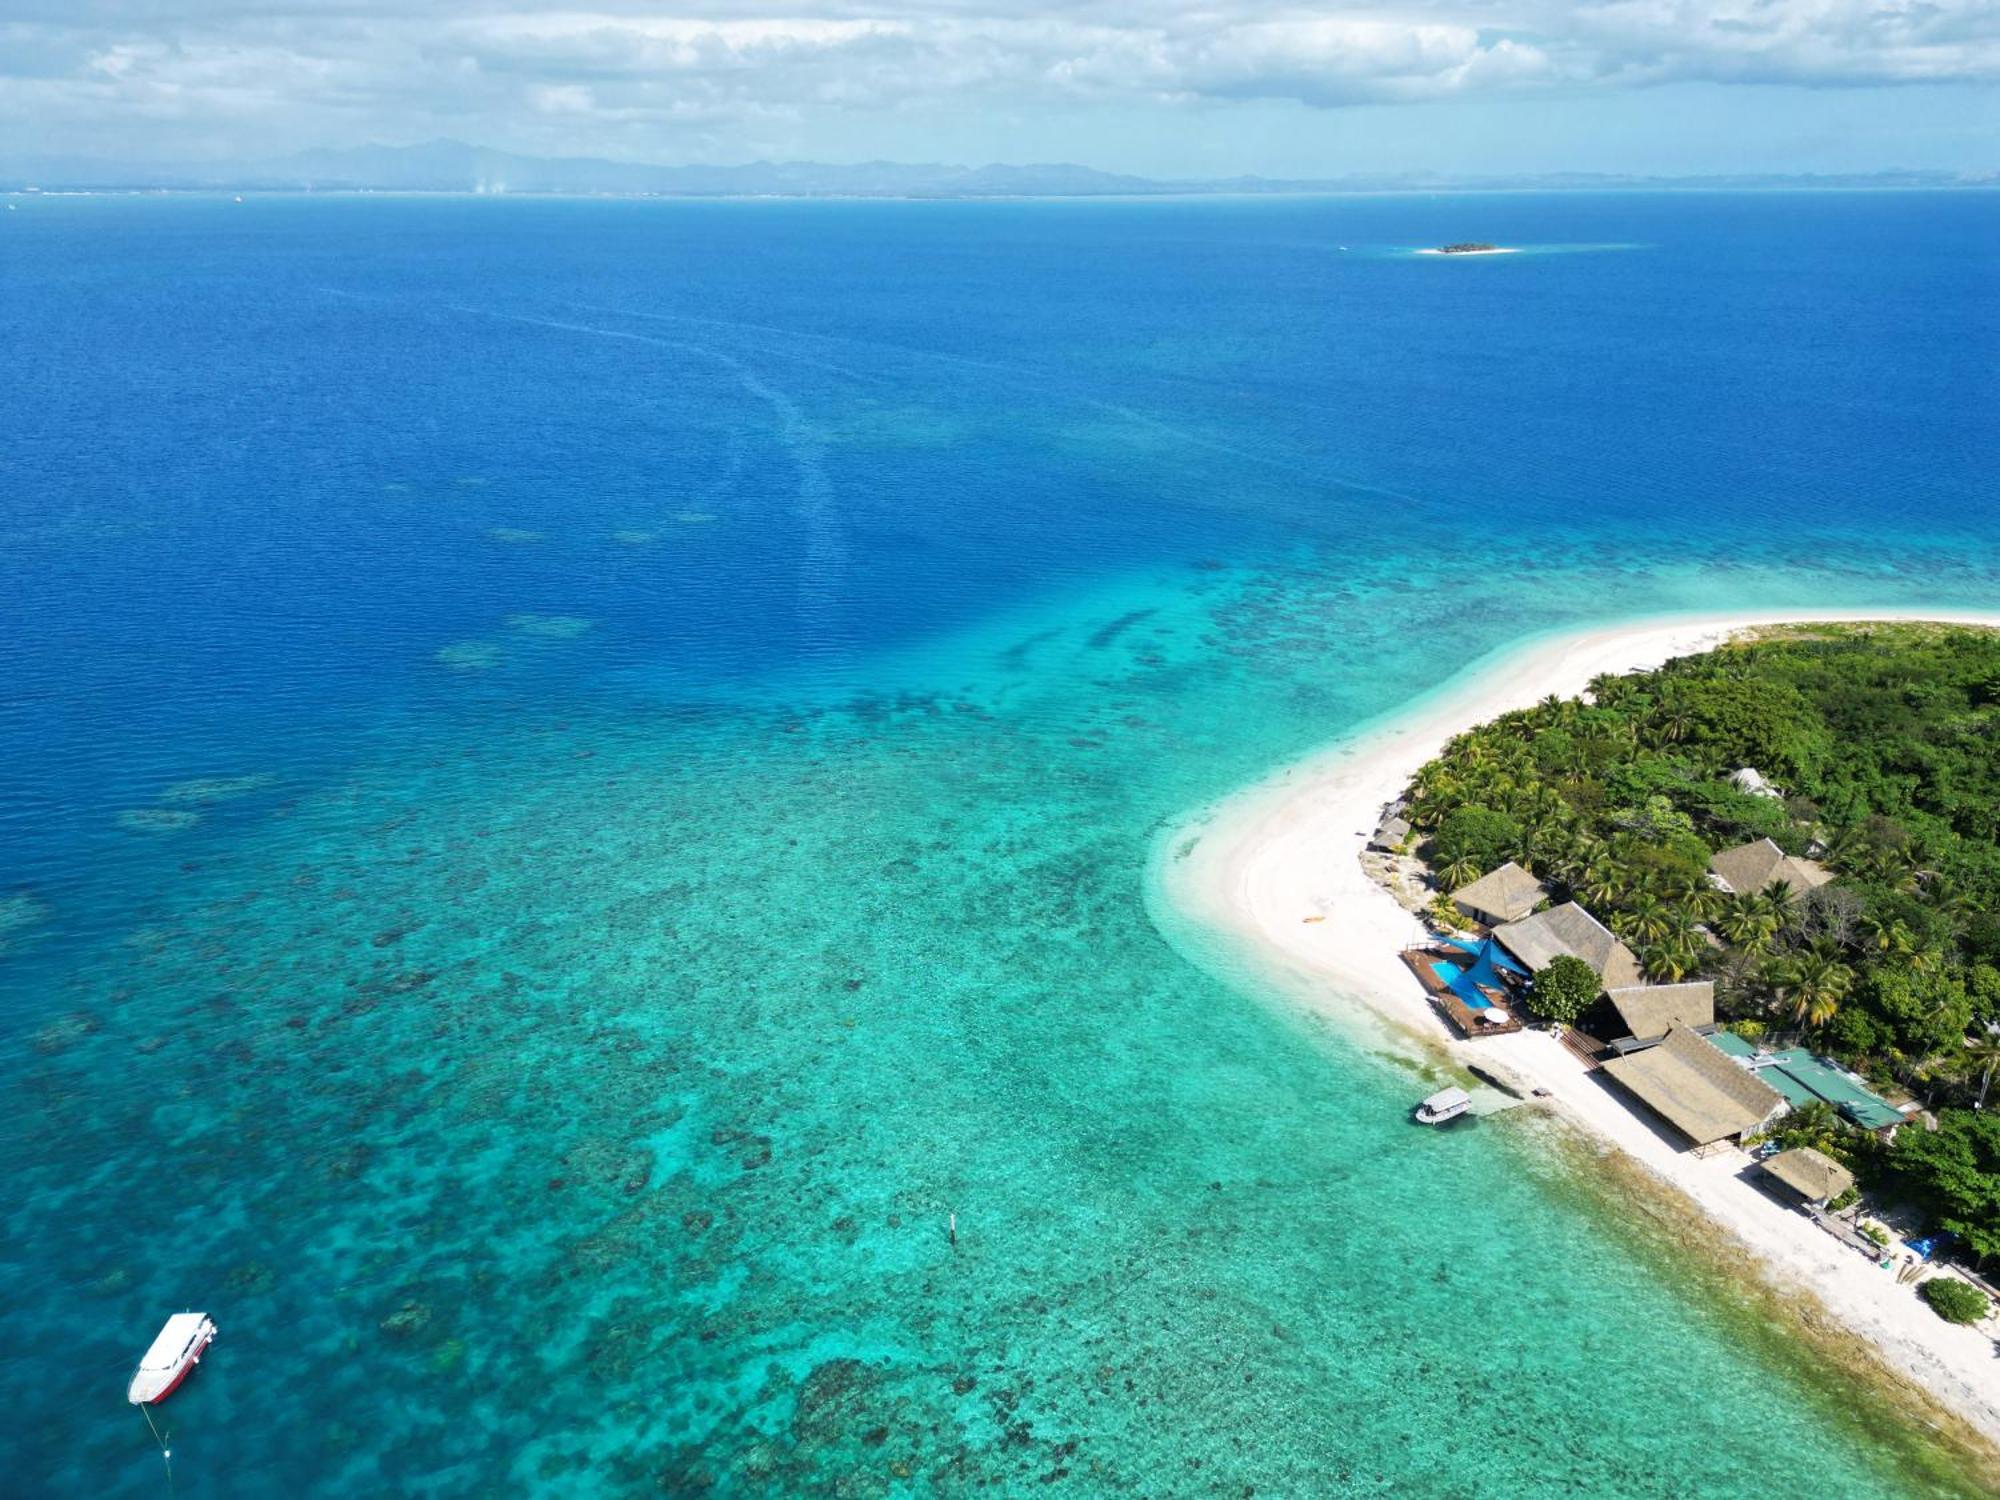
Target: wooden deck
1463,1017
1586,1047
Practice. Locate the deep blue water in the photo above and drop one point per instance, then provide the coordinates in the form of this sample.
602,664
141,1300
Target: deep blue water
494,695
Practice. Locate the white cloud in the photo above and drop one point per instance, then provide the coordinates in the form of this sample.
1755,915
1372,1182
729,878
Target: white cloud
367,70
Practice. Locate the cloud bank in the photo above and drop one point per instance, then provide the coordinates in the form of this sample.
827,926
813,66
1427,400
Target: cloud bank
230,72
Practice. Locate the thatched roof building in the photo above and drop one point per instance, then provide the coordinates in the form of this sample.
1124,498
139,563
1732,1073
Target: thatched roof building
1547,935
1813,1175
1650,1011
1696,1088
1390,834
1749,868
1501,895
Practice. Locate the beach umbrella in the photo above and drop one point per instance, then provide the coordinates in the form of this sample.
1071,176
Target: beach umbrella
1495,1016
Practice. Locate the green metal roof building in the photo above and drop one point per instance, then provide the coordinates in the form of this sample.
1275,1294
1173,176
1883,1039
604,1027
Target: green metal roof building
1801,1078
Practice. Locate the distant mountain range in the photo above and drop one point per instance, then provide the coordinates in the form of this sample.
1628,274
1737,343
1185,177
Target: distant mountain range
454,167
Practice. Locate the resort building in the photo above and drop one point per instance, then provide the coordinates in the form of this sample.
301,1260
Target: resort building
1699,1090
1537,941
1749,868
1801,1078
1503,895
1390,834
1812,1175
1649,1011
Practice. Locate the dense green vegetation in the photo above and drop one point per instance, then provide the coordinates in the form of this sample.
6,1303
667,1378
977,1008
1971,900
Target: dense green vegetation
1565,989
1955,1172
1954,1301
1885,743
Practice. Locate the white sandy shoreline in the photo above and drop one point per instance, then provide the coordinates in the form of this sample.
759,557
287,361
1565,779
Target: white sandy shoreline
1255,867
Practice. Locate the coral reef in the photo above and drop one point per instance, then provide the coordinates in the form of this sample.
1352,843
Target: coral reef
157,819
551,627
468,656
216,788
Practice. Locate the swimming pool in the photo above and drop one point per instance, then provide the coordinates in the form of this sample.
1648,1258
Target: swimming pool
1452,975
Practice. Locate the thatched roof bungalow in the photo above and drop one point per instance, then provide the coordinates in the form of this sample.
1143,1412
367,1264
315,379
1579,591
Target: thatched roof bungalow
1696,1088
1502,895
1391,834
1539,940
1749,868
1813,1175
1650,1011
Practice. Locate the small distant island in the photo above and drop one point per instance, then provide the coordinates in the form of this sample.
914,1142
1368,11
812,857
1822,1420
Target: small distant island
1468,247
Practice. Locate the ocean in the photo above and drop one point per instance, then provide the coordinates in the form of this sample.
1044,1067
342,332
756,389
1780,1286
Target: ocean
576,780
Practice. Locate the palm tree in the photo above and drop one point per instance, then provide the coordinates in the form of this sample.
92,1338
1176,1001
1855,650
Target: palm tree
1983,1053
1691,936
1893,938
1705,903
1602,882
1575,857
1676,720
1675,954
1781,902
1460,871
1736,980
1945,896
1546,847
1744,922
1645,919
1812,987
1546,802
1812,1124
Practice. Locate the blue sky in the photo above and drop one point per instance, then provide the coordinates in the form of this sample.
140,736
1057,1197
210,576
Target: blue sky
1163,87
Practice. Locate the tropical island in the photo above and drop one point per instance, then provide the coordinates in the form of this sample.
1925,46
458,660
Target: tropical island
1797,837
1720,903
1467,247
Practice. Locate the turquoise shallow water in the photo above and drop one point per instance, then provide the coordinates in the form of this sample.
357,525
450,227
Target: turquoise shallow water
637,897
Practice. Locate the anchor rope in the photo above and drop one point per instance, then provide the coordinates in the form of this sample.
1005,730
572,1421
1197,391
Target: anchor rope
166,1453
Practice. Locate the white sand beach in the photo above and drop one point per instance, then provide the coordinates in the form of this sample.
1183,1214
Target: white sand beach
1276,871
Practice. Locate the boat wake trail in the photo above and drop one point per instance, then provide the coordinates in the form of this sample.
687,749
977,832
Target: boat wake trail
1045,381
824,560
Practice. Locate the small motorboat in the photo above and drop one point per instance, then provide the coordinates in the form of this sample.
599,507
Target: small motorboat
175,1352
1445,1104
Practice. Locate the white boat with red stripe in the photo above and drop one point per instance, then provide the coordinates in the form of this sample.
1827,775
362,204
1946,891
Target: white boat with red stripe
172,1358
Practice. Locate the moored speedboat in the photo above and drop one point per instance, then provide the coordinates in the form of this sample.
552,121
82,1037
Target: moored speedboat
1445,1104
174,1353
